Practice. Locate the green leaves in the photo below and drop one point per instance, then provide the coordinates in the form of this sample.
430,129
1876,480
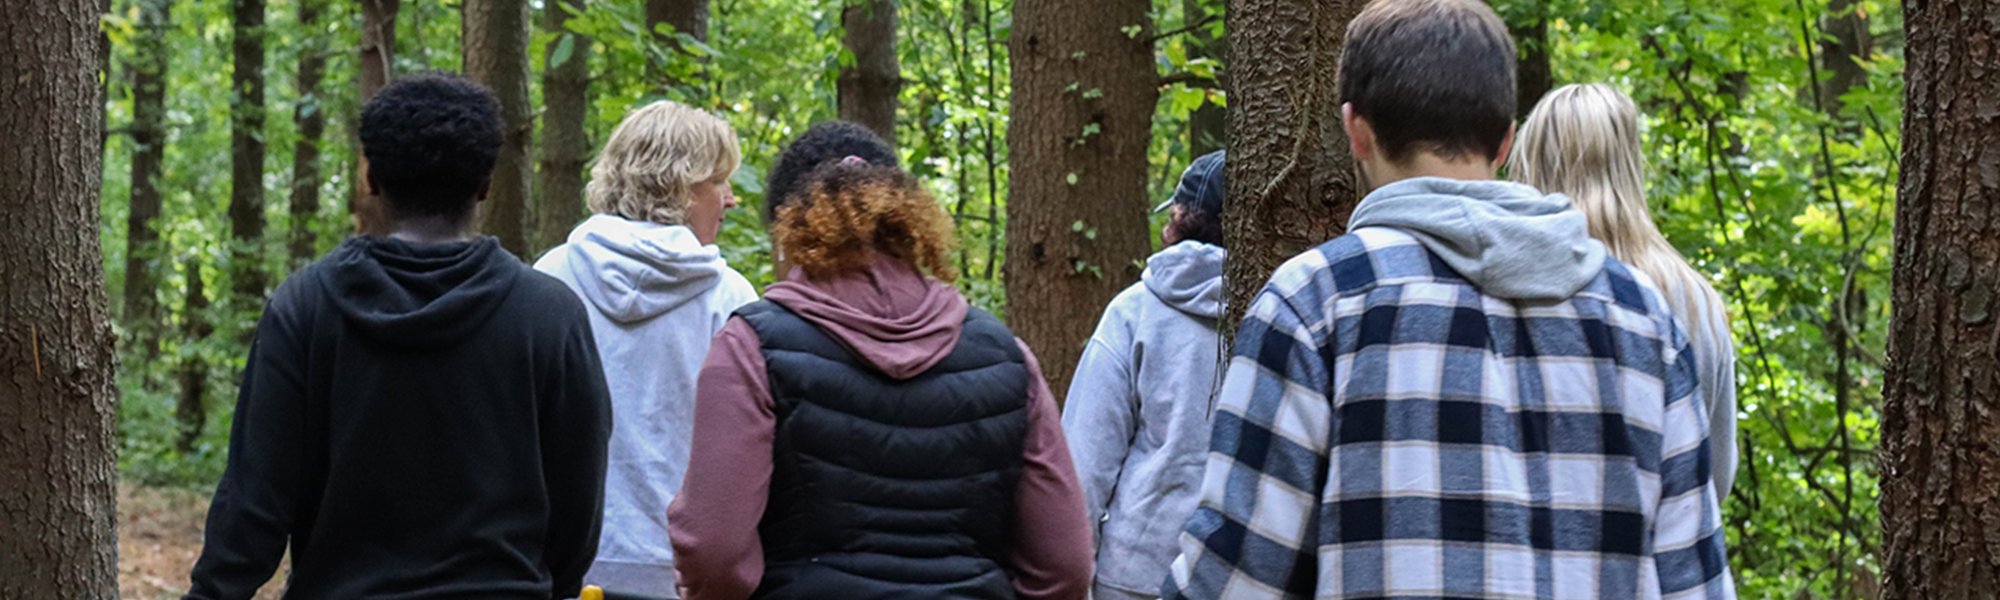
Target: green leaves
564,49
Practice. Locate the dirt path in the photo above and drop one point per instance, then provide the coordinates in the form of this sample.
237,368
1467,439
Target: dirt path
159,537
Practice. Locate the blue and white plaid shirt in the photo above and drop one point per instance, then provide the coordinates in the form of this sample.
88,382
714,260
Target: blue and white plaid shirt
1387,431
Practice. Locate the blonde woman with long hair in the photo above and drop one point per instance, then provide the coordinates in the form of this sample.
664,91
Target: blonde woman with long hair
1582,140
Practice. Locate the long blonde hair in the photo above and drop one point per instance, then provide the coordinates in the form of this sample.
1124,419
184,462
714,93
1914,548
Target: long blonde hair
1582,140
649,167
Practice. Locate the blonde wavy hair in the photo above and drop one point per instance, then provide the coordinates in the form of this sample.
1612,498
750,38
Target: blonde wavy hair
648,169
851,210
1582,140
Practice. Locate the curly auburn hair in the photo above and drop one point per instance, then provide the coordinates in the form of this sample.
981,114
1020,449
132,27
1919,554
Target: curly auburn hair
850,210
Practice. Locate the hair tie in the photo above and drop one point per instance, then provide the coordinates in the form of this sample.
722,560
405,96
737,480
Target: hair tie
852,159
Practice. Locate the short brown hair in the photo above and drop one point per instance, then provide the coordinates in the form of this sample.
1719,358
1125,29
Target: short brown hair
850,210
1430,75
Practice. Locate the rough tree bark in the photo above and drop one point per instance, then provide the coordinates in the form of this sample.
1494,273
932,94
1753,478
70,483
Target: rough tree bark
1533,75
377,65
149,151
868,88
192,409
1941,397
565,145
1205,126
311,121
246,154
58,521
495,40
685,16
1084,93
1291,180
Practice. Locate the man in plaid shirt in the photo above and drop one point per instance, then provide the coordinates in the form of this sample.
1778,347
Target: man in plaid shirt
1463,397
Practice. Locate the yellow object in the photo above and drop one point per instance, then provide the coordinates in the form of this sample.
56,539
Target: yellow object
591,592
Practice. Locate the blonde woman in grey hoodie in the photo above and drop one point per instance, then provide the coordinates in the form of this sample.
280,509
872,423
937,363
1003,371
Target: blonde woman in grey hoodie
1582,141
647,267
1137,414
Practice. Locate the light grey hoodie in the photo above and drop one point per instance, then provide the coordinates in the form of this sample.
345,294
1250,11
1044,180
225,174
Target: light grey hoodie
656,296
1510,240
1137,413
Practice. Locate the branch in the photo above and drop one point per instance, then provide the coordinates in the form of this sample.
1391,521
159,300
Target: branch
1188,78
1204,22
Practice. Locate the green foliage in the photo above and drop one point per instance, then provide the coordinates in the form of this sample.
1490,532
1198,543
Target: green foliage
1740,183
1795,231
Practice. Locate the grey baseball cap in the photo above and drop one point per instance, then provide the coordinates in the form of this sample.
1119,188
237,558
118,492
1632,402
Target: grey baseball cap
1201,185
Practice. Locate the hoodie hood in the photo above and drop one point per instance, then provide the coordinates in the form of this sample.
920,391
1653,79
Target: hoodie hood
890,315
634,270
1188,277
1510,240
413,294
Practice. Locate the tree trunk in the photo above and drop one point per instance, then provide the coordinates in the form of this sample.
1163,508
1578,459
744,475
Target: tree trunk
868,88
565,145
1848,42
1291,179
191,410
1533,75
1941,394
58,515
1205,126
495,39
311,120
246,154
149,149
377,65
685,16
1084,93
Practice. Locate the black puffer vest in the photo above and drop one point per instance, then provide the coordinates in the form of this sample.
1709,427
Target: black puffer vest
885,488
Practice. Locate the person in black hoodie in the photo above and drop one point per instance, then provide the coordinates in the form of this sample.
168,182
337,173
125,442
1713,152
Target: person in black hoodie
422,415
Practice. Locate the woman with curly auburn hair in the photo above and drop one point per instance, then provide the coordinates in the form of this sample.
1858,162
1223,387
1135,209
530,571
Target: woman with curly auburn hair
657,290
864,432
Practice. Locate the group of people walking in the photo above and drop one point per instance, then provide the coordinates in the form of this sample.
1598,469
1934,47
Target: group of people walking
1485,389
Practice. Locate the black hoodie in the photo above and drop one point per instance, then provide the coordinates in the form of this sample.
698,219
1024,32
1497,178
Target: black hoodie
418,421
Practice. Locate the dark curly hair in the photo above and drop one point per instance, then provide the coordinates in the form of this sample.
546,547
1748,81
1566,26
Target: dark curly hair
431,141
849,211
824,142
1197,225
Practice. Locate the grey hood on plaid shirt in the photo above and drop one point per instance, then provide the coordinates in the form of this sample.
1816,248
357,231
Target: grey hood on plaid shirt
1510,240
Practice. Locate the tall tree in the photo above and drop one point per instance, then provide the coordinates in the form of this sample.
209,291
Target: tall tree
565,145
1941,397
191,409
688,17
1846,43
1076,204
246,153
495,40
1533,75
57,401
1205,125
377,65
1292,181
310,117
149,150
869,87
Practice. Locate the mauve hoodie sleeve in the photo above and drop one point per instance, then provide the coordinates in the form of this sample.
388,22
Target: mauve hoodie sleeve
1052,552
713,522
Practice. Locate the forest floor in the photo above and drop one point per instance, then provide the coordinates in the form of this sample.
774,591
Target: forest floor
159,537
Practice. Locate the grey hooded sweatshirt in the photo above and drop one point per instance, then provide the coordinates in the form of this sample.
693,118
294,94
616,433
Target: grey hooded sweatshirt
1514,242
1137,413
656,296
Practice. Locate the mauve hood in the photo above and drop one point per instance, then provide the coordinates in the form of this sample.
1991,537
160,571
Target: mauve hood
411,294
890,315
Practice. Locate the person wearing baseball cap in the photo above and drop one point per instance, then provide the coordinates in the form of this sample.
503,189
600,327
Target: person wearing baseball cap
1137,414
